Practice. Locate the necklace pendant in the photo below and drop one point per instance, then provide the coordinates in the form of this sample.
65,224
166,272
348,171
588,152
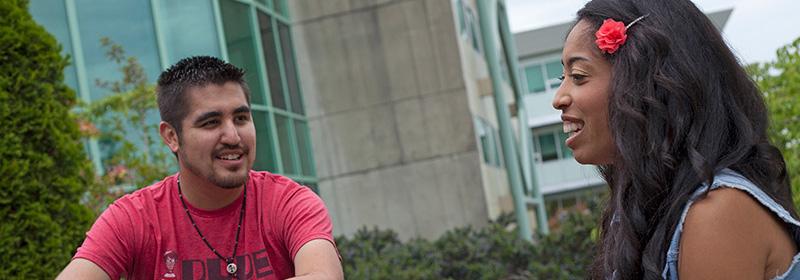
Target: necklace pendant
231,268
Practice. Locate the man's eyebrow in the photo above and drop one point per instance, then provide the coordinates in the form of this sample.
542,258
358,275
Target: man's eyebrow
242,109
207,115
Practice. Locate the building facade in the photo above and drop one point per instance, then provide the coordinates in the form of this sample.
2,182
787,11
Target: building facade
564,182
413,113
254,35
401,114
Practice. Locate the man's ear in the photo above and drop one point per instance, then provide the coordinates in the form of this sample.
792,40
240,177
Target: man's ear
169,135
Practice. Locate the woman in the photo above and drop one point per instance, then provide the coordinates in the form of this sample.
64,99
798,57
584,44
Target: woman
652,95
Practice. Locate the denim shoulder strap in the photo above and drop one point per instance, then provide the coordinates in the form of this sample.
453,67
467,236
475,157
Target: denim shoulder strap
731,179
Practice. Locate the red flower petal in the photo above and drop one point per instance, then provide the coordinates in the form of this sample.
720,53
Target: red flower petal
610,36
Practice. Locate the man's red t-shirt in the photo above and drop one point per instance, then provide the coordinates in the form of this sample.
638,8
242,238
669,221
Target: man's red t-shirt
147,235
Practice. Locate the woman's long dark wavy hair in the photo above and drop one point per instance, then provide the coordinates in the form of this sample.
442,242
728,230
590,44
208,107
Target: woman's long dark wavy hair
681,108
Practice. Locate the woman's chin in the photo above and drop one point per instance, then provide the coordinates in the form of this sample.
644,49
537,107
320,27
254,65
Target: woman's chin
590,158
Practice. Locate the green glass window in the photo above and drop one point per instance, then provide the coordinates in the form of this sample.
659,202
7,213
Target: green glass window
534,78
127,23
189,29
279,6
271,60
265,151
284,144
490,144
284,140
241,45
503,65
554,71
53,16
289,68
498,150
460,11
492,149
304,147
486,147
566,152
472,29
130,25
547,147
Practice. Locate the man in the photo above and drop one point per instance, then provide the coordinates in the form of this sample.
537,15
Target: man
216,218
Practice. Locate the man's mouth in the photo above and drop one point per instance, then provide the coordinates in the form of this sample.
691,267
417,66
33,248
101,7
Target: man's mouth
230,156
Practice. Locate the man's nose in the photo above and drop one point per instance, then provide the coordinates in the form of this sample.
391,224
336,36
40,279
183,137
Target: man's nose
230,134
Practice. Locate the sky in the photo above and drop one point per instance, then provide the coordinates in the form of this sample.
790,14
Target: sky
755,29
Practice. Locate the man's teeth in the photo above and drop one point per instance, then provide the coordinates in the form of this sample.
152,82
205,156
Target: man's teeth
570,127
230,157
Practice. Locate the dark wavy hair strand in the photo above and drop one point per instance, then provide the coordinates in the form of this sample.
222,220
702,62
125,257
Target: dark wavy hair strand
681,108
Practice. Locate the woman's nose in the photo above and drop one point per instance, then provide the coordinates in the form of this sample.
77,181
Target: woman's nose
562,99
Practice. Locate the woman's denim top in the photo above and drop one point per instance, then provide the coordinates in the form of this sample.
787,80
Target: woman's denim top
732,179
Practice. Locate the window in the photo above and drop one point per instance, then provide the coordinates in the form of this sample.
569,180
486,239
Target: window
271,60
265,157
566,152
535,79
254,35
127,23
460,11
131,25
542,77
281,7
548,144
472,29
289,69
284,144
189,29
490,145
547,147
53,16
241,45
468,25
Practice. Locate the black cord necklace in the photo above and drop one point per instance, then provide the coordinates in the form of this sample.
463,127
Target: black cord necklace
231,268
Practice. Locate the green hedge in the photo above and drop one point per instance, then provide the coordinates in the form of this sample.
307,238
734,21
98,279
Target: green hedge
42,157
493,252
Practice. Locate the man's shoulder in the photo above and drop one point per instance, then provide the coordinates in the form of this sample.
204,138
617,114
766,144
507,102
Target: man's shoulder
149,196
273,182
277,187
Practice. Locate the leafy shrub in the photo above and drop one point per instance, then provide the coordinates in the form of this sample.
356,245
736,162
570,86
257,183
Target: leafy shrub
43,162
493,252
779,81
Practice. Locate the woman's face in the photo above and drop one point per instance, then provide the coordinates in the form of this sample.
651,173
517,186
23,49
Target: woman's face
583,97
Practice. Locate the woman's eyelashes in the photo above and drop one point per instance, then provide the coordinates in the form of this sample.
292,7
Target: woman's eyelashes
575,77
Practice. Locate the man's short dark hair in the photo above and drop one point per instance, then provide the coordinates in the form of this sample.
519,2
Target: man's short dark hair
196,71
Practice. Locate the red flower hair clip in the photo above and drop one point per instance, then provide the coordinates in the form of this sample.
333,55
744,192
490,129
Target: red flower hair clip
612,34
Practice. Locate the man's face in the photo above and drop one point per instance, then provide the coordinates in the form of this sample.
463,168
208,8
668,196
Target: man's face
217,140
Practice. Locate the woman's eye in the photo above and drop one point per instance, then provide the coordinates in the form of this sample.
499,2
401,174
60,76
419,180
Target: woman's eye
577,77
561,78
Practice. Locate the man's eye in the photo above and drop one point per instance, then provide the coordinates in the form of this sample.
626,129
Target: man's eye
561,78
210,123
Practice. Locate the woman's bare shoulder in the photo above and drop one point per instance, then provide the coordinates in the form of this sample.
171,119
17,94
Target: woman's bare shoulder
728,234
